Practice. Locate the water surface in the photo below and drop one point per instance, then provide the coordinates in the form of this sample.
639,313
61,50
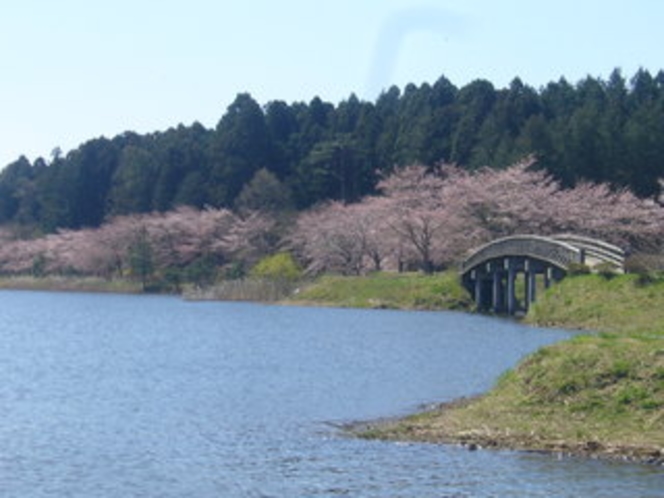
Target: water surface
142,396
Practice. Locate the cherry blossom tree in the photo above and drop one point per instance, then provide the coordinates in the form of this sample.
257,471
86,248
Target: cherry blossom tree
424,214
185,234
423,217
249,238
349,239
322,241
433,216
369,222
177,239
617,216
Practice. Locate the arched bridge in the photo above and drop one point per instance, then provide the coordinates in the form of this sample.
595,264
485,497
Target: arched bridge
491,272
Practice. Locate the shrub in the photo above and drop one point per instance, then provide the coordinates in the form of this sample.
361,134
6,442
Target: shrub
606,270
280,266
202,272
575,269
645,266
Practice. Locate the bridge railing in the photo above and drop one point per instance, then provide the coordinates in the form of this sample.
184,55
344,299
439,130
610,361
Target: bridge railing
558,253
596,250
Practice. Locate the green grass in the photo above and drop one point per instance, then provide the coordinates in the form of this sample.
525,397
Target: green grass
600,393
388,290
622,304
73,284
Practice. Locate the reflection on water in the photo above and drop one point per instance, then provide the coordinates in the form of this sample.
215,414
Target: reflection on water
108,396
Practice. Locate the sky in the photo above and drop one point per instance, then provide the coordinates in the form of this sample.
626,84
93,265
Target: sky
74,70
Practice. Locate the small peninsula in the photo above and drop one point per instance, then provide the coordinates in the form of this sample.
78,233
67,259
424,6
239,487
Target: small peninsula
599,394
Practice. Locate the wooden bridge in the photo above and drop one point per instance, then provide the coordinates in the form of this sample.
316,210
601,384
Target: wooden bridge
491,273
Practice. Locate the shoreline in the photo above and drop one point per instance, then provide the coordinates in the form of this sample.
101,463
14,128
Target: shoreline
408,429
471,422
70,284
598,396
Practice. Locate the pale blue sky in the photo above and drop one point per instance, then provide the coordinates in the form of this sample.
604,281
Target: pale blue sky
73,70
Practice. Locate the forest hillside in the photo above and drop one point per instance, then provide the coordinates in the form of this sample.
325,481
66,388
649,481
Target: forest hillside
599,130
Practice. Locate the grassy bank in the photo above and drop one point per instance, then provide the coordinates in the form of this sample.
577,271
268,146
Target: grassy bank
72,284
622,304
387,291
599,394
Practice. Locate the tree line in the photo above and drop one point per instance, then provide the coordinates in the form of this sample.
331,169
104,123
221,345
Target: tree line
421,218
161,250
429,218
297,155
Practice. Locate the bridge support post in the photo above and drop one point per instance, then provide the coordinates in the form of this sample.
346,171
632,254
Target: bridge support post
478,288
511,288
531,288
497,294
490,272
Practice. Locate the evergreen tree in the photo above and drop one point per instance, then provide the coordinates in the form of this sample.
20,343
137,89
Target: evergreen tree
264,193
598,130
133,182
241,146
15,180
282,125
474,102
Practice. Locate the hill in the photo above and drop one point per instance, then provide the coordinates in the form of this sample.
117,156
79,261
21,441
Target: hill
609,131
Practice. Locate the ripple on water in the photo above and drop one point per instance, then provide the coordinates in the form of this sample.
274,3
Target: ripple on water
155,397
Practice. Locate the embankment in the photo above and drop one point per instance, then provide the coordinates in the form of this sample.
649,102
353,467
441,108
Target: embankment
70,284
599,395
408,291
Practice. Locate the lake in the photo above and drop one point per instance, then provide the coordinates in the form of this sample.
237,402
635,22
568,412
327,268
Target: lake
153,396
